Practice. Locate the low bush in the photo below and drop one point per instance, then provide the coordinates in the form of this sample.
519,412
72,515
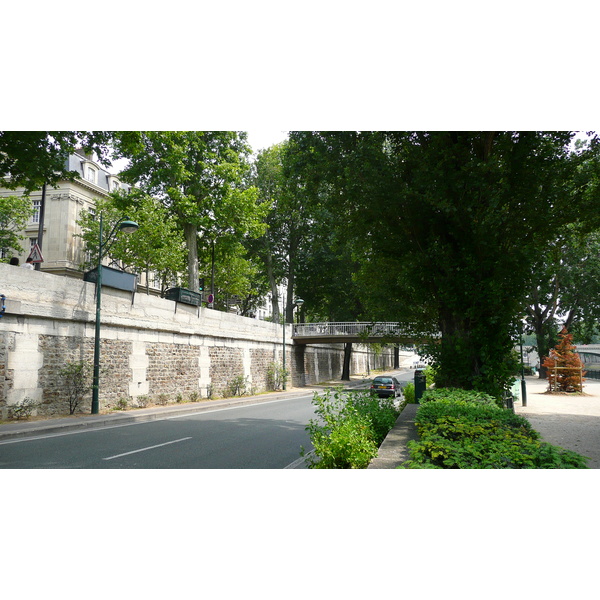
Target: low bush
456,394
380,412
408,392
76,381
277,376
121,404
349,429
236,386
460,432
24,409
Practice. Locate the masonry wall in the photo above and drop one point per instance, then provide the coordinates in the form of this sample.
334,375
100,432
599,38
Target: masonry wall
151,348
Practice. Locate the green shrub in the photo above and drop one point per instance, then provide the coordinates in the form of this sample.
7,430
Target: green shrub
237,386
455,394
469,434
432,413
349,429
121,404
429,375
24,409
409,393
349,445
277,376
380,412
76,381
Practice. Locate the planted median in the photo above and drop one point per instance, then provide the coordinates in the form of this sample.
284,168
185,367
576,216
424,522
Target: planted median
349,429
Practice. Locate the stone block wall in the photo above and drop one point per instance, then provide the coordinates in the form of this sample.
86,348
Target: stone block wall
172,370
150,347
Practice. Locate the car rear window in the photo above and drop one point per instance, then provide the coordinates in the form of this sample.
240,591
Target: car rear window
382,380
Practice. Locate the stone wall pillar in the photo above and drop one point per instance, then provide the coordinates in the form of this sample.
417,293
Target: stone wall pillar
23,365
138,363
204,367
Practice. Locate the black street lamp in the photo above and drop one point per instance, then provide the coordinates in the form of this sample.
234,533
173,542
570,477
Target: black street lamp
128,226
523,384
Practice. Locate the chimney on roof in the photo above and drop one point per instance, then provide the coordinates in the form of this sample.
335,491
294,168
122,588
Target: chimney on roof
82,152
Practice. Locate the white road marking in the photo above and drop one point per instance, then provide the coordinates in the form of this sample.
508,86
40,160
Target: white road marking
299,461
148,448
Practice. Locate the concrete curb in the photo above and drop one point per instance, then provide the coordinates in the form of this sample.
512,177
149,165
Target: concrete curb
394,451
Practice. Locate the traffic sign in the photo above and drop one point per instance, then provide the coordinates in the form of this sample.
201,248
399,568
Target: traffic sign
211,298
36,254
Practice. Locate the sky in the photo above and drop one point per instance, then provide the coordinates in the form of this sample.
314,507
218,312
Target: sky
259,139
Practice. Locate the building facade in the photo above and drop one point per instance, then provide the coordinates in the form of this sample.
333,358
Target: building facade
63,251
62,248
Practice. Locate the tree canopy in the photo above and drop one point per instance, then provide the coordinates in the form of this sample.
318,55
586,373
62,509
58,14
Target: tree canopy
451,233
445,227
31,159
200,177
14,214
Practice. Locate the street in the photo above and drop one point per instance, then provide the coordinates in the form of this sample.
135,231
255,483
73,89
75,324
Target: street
258,436
266,435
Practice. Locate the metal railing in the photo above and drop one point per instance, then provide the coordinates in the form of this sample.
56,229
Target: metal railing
349,329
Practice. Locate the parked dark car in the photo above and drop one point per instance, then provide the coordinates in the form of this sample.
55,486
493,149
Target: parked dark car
385,386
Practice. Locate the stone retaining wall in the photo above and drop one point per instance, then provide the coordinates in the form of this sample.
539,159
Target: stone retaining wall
150,347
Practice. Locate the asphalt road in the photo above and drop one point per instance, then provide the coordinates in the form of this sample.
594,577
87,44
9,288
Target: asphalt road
268,435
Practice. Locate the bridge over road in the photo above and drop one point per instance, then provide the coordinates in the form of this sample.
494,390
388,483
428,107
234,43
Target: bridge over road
336,333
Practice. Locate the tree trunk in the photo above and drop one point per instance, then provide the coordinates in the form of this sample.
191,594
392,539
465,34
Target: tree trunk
291,280
347,358
191,240
272,282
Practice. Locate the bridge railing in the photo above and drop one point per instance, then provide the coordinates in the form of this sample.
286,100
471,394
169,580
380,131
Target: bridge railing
347,329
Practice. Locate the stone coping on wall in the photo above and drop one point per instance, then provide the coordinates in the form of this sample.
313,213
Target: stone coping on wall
41,295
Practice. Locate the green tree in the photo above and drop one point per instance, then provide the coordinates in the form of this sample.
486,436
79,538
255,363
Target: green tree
453,221
270,247
158,245
566,289
15,212
200,177
31,159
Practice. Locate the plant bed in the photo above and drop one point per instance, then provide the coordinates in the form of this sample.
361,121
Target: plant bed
349,430
460,431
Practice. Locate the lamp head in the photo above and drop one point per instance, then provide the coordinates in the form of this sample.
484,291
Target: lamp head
299,302
128,226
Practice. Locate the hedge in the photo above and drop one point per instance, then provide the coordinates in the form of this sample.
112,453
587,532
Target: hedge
467,430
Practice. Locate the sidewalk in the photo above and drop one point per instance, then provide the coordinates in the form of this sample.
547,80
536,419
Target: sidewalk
572,422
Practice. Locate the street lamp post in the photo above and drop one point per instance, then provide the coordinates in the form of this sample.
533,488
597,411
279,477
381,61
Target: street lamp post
523,384
299,302
123,224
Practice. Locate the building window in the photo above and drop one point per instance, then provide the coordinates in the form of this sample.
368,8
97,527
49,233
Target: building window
37,204
90,174
32,242
3,252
